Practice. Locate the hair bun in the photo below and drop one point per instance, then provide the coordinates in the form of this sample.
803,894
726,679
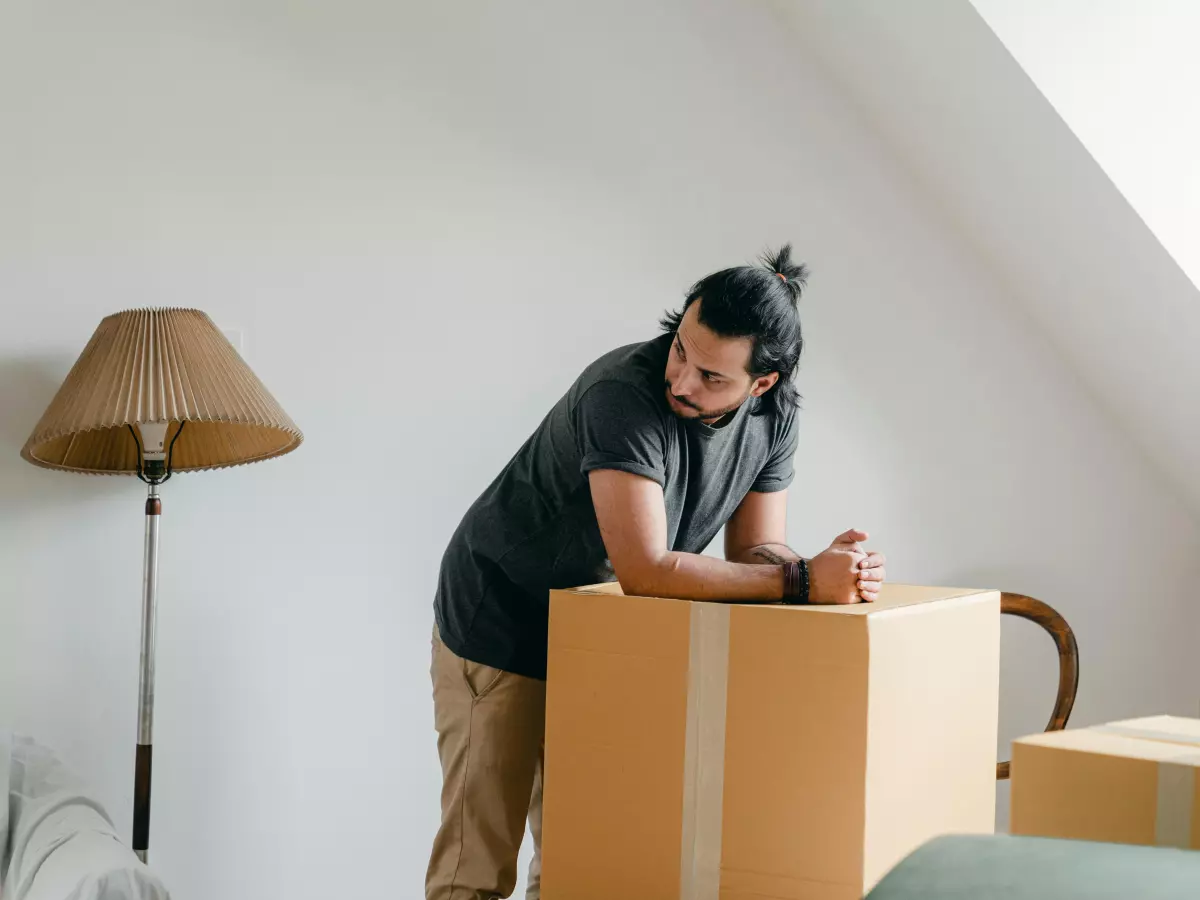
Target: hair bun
792,274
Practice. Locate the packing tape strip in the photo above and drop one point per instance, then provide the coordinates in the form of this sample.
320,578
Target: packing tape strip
1176,803
1176,784
704,752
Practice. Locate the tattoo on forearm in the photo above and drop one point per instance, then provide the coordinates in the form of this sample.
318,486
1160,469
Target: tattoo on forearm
769,555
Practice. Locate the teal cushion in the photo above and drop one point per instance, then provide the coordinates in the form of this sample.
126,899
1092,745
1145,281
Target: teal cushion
1004,867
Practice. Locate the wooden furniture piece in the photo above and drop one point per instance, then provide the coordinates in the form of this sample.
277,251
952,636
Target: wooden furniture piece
1068,657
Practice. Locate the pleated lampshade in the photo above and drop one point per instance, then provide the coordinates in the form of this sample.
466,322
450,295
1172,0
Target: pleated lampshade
152,366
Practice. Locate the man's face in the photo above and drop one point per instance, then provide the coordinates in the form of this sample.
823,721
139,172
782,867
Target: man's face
707,375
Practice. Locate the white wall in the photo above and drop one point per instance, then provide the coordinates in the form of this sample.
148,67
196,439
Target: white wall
426,222
1125,77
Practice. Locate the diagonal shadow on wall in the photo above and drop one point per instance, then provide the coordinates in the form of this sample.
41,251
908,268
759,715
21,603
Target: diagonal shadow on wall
27,385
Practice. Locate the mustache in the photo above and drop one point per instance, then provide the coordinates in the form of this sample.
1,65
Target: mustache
680,400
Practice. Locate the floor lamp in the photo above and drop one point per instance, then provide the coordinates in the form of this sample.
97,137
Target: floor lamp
155,392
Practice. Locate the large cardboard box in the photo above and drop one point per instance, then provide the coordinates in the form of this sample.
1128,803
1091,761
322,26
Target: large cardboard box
1129,782
697,751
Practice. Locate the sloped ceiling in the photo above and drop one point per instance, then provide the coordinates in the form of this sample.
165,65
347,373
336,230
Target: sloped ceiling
1124,76
1017,184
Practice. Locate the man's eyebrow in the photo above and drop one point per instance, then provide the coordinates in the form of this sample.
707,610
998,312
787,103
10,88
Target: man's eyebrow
708,372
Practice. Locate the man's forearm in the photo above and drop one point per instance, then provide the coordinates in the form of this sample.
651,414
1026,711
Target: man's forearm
767,554
693,576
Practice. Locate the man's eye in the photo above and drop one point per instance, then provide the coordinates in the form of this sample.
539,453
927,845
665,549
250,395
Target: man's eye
709,376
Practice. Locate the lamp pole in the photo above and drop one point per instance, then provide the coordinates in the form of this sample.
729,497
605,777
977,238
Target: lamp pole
145,741
154,468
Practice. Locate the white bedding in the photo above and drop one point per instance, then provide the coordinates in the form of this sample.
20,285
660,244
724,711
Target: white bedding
61,842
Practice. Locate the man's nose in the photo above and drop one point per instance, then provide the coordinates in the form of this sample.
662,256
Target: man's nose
682,386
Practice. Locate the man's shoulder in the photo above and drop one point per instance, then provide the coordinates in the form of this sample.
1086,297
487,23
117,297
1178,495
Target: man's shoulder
638,367
631,362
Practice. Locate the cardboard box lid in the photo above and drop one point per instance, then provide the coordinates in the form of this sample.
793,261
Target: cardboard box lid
1172,729
892,597
1154,738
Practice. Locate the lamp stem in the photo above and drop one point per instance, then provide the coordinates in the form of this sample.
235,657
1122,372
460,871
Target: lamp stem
145,740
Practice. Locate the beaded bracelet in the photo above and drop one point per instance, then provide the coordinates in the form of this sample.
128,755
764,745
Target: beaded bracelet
795,583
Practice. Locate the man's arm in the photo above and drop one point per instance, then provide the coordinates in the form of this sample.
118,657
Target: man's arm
633,523
756,532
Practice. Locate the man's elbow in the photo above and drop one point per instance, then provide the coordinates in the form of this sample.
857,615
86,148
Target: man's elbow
648,577
739,554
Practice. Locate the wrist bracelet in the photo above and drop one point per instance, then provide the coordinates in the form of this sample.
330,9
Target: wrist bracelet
795,583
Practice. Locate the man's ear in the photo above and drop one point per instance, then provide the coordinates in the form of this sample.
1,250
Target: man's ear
763,384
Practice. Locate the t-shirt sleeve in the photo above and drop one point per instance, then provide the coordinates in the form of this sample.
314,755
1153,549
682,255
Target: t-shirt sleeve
619,427
779,471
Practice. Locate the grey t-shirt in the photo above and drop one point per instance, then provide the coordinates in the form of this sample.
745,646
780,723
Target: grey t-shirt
534,528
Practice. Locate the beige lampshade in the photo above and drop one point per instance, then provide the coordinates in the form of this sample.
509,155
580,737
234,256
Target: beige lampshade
160,365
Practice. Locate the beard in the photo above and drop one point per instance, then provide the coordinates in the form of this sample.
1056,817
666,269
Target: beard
701,413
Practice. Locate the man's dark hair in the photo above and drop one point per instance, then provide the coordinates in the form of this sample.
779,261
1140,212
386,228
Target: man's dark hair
756,302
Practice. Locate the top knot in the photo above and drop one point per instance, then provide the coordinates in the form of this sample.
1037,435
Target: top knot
794,275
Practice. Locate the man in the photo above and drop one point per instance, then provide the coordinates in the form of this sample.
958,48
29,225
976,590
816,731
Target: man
651,451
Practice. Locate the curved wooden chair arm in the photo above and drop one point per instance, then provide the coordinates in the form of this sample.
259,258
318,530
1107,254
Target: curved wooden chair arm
1068,657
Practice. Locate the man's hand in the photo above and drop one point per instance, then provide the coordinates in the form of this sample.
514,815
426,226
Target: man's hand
845,573
871,575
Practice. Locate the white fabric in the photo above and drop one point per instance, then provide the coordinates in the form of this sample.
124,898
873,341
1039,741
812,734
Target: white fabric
56,841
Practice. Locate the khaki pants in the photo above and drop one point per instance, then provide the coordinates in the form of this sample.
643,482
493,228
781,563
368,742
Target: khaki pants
491,726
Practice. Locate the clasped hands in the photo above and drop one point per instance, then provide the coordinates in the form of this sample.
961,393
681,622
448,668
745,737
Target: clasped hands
845,572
